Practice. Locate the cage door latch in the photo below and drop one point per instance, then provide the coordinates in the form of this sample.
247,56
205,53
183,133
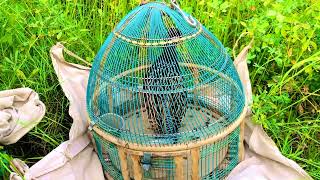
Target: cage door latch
146,164
146,161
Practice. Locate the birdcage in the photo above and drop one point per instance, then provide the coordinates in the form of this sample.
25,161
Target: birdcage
164,99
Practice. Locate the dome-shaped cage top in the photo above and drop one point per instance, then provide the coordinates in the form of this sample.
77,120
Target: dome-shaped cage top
159,80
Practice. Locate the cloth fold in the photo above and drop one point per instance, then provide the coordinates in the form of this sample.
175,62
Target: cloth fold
76,159
20,111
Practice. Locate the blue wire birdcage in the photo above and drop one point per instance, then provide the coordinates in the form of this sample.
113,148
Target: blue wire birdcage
164,99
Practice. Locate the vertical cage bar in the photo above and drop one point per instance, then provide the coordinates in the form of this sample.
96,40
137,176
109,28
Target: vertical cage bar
123,163
195,157
110,103
241,141
110,99
137,171
196,82
179,167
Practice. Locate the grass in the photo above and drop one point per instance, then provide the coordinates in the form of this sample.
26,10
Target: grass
284,63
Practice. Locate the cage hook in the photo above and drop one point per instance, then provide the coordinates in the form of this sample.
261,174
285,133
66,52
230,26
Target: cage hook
191,21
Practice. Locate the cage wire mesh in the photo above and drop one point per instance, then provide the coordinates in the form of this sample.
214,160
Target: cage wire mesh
216,160
160,80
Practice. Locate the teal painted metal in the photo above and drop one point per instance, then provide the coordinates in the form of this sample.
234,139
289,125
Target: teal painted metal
158,80
216,160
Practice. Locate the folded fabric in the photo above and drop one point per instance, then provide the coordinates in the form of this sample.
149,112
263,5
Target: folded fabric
20,111
76,159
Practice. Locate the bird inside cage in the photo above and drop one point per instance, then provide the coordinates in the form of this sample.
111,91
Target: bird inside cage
165,107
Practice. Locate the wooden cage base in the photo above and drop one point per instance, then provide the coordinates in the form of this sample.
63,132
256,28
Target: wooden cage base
177,151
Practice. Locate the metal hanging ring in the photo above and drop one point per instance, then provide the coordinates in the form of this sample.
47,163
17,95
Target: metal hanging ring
192,22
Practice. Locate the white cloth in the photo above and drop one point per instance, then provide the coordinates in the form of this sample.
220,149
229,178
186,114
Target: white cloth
74,159
20,111
263,160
